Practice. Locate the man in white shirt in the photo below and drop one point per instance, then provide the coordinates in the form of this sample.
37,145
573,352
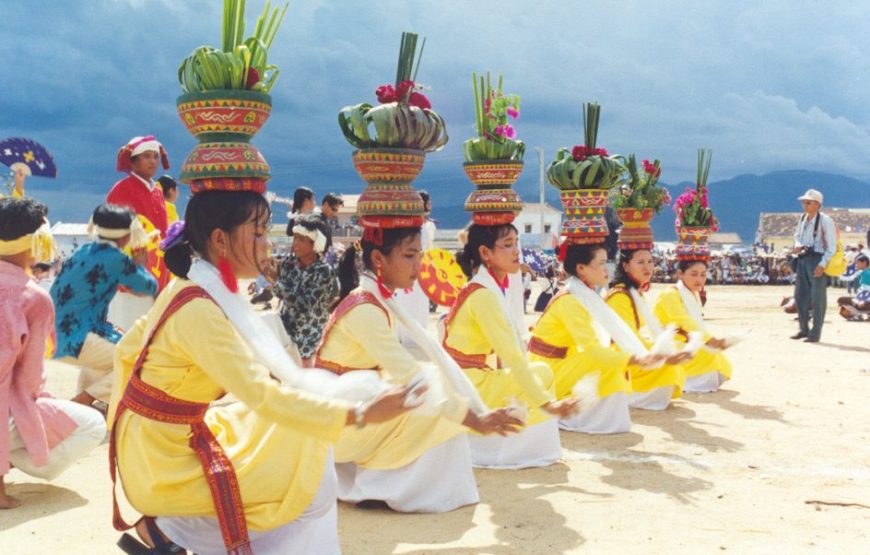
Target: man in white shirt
815,243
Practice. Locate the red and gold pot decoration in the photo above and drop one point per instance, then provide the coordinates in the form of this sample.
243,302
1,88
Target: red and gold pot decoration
636,232
493,202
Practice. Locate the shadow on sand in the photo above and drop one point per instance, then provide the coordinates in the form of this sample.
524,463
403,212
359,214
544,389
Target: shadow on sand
38,500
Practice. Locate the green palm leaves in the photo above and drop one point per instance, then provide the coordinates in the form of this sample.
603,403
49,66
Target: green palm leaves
394,125
585,166
240,64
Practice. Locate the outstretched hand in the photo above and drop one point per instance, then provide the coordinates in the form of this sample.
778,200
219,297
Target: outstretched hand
564,408
389,405
679,358
498,421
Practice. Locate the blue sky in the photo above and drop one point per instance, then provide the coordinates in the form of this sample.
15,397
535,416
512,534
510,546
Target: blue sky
769,86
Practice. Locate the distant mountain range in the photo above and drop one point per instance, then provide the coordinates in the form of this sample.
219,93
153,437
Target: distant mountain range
736,201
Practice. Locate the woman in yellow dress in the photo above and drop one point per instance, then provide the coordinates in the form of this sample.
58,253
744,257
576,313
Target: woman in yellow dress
479,325
681,305
420,462
248,473
652,388
574,336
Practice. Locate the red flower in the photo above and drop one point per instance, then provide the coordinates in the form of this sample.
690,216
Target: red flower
386,94
253,78
579,153
420,101
651,169
403,89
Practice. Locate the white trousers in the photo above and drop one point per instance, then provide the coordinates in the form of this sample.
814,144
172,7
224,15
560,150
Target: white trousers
537,445
314,532
440,480
656,399
704,383
90,433
95,363
609,415
126,308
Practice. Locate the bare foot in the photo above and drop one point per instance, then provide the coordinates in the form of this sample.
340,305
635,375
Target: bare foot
8,502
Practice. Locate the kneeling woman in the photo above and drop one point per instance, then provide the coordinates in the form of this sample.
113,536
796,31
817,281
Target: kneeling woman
249,474
652,389
478,325
420,462
573,336
681,305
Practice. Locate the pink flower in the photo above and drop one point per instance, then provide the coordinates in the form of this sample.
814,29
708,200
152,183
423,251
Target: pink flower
512,112
651,169
419,100
704,203
579,153
509,131
487,104
404,88
500,131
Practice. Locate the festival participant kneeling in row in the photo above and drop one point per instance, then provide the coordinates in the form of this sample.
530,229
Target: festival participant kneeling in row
420,462
254,473
85,286
651,388
43,436
478,325
680,304
574,334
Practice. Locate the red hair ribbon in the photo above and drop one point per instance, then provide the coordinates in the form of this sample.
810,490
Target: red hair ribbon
374,235
563,251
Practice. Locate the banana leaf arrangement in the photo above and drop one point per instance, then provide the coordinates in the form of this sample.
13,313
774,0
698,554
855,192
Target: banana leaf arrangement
585,166
404,118
641,190
239,64
693,207
496,136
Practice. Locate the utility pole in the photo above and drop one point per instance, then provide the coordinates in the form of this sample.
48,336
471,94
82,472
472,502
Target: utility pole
541,235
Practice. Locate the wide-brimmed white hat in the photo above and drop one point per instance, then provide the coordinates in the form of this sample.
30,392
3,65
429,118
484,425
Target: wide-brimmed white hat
812,194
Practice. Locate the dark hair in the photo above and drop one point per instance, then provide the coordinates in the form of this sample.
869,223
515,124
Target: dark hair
300,195
862,258
424,194
42,267
206,212
620,276
480,236
20,217
311,222
348,275
334,201
580,254
684,265
112,216
167,183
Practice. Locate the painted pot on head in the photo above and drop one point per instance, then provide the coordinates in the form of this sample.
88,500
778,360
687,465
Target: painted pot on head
493,202
584,210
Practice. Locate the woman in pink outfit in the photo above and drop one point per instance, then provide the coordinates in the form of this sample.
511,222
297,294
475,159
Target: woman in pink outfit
44,436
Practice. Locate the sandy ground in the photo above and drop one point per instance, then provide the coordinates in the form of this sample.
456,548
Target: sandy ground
734,471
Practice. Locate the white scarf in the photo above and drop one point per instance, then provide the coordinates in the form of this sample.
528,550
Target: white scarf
351,386
483,277
613,326
692,304
448,367
316,236
655,327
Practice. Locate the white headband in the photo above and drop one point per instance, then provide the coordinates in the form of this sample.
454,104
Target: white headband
315,235
138,236
146,146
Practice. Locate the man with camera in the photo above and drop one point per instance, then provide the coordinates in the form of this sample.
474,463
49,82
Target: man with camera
815,243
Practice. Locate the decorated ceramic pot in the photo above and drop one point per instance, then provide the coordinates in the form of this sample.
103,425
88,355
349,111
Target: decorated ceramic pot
693,243
636,232
584,220
225,115
225,165
493,202
389,201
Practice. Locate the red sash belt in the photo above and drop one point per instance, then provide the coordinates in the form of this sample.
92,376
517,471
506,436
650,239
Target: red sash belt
465,360
336,367
154,404
541,348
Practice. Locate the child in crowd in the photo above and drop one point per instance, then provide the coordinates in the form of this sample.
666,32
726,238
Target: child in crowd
85,286
44,435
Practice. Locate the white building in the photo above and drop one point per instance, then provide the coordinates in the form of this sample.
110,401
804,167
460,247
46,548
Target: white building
69,236
529,221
